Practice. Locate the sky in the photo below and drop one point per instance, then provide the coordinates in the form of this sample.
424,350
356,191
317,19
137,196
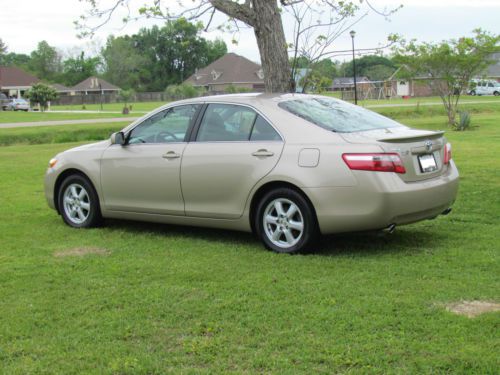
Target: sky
23,24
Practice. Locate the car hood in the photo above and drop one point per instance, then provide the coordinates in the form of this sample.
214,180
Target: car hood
91,146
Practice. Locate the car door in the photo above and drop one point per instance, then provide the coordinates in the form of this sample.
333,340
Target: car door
234,147
481,88
144,175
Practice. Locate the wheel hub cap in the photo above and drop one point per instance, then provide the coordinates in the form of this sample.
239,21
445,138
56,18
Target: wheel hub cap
283,223
76,203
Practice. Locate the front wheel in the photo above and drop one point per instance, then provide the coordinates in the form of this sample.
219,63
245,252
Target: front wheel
78,203
285,221
496,93
473,93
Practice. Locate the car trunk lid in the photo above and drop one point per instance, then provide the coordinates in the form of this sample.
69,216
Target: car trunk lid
421,151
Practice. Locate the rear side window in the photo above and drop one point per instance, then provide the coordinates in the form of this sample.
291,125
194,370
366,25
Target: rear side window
234,123
263,131
337,115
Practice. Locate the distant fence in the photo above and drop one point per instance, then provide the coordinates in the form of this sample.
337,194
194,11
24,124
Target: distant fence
109,98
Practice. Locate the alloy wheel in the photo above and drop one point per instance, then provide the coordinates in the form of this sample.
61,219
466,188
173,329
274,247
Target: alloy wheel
76,203
283,223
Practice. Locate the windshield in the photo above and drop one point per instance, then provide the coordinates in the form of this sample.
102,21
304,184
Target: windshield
337,115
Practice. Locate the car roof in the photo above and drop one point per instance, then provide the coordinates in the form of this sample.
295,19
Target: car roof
245,98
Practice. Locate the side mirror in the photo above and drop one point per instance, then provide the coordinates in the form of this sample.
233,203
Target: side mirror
118,138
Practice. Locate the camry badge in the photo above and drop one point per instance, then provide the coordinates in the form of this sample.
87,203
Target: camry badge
428,145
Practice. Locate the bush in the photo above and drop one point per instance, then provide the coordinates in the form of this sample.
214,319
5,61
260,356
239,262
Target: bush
464,121
231,89
183,91
125,96
42,94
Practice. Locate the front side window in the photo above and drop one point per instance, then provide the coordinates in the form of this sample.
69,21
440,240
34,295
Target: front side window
169,125
337,115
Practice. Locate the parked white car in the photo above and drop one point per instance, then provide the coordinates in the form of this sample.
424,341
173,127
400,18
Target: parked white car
487,87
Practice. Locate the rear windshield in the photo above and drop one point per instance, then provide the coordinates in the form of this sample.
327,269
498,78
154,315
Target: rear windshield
337,115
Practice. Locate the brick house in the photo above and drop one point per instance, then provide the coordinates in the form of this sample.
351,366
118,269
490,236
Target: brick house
14,82
229,70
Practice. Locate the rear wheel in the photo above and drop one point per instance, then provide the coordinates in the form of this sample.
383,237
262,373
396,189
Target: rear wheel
473,93
285,221
78,202
496,93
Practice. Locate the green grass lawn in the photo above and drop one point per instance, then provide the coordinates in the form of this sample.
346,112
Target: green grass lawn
59,134
166,299
140,107
13,117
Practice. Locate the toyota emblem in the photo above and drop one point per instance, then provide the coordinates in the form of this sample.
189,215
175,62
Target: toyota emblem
428,145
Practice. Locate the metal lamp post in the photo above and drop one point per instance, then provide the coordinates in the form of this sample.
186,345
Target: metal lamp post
100,89
353,34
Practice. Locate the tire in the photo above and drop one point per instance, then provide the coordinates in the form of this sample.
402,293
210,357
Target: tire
286,222
473,93
79,203
496,93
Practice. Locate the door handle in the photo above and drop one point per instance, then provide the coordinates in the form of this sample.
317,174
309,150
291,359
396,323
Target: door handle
171,155
262,152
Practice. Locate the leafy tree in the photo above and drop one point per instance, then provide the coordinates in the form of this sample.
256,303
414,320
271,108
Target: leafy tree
124,65
45,61
264,16
3,51
20,60
448,66
76,69
300,62
170,54
378,72
366,64
215,49
325,68
125,96
315,82
42,94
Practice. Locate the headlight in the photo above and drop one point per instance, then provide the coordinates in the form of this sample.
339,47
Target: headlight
52,162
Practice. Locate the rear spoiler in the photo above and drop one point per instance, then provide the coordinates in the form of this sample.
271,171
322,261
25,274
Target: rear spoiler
412,138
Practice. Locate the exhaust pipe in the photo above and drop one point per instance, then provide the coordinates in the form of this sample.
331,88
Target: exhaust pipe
447,211
390,228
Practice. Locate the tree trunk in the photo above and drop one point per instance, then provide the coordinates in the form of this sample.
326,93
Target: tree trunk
272,46
265,18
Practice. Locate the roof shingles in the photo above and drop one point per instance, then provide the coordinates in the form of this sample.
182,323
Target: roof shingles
11,76
229,69
92,84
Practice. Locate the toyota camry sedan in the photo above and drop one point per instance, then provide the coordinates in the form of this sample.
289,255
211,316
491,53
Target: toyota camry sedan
287,167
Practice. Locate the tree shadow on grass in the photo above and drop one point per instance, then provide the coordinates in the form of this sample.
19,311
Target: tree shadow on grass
408,241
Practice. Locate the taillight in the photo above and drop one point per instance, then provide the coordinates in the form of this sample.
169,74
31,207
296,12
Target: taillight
375,162
447,153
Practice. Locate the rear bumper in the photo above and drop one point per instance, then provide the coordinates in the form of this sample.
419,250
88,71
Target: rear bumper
380,199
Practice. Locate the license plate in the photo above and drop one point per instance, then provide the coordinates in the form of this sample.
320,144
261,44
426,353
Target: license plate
427,163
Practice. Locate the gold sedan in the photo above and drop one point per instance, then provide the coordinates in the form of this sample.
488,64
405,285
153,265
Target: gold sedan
288,167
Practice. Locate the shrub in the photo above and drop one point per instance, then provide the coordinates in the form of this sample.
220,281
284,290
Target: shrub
231,89
125,96
42,94
183,91
464,121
